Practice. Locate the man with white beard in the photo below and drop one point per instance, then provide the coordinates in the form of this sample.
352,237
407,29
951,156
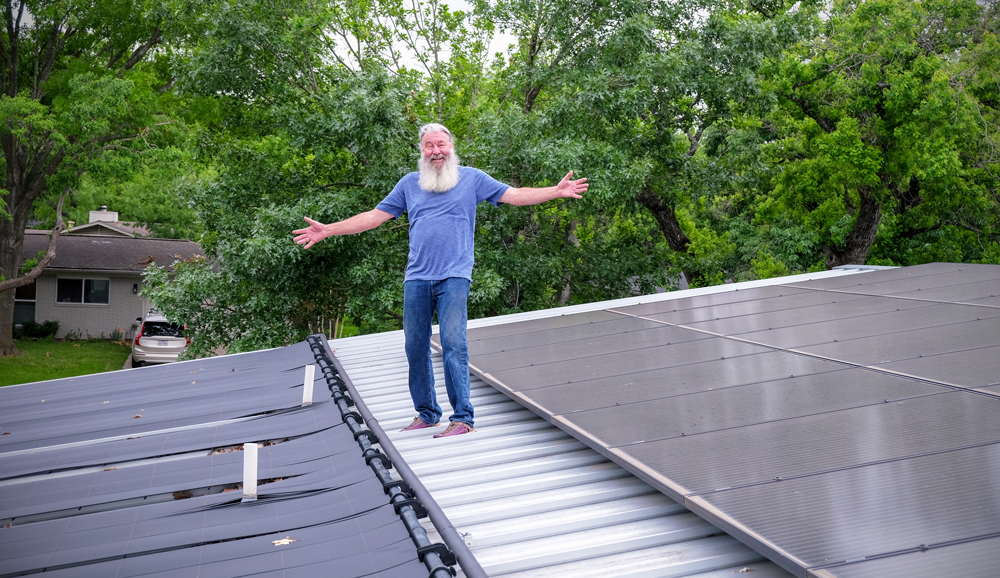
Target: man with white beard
441,203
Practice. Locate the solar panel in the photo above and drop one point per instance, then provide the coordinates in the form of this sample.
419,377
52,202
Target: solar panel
632,388
721,410
749,297
965,292
799,302
482,346
856,309
635,360
774,428
911,344
862,512
851,282
979,367
992,301
569,343
526,327
973,559
868,323
809,444
914,286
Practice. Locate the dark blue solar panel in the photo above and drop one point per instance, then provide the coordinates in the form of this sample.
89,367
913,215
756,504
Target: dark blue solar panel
824,423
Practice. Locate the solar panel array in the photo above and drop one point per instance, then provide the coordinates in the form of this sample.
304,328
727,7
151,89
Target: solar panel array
844,427
138,473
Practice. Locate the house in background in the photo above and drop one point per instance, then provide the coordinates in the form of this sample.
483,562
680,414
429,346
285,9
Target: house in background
92,286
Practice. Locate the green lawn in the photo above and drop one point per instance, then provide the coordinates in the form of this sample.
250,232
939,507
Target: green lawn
50,359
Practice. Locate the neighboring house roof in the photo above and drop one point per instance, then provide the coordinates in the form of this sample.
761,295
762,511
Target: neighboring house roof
126,254
138,472
110,229
532,500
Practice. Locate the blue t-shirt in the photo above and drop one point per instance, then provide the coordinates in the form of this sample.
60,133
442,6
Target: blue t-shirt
442,225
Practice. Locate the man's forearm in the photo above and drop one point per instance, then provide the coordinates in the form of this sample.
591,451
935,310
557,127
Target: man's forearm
357,224
529,195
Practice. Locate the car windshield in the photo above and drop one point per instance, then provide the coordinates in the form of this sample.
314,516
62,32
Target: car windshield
161,329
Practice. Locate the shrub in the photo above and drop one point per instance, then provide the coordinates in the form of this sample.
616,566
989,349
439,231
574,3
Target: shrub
35,330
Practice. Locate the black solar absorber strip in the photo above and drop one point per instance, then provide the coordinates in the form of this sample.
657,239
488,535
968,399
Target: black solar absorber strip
438,559
336,510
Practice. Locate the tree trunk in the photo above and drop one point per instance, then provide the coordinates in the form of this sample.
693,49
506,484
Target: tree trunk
861,238
671,229
23,189
571,239
11,242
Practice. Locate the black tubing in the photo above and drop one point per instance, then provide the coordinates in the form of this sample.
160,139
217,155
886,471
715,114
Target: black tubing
436,557
449,533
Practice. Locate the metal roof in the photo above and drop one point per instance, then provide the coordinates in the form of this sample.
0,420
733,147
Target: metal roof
530,499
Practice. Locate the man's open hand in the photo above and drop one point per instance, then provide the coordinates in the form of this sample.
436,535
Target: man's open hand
312,234
573,189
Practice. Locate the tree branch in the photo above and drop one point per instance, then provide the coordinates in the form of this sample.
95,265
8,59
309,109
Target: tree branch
50,253
53,48
155,38
115,58
824,123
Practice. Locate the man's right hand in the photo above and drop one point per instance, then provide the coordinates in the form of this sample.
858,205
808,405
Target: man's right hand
312,234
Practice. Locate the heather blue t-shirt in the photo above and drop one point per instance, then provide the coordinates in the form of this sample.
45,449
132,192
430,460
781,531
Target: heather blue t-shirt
442,225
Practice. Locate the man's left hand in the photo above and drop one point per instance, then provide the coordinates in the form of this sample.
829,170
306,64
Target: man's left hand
569,188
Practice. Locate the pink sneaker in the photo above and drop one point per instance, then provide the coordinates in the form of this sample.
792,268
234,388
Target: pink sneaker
456,428
418,423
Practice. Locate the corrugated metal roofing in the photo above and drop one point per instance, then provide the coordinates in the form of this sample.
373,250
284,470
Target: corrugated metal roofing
811,419
532,500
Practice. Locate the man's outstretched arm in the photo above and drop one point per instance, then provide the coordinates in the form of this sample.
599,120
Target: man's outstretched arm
533,196
317,231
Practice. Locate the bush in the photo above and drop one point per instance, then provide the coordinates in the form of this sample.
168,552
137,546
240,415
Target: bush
35,330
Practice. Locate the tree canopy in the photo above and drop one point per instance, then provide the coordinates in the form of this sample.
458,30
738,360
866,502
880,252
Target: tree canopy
724,140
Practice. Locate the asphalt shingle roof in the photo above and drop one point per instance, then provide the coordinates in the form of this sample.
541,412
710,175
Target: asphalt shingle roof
108,253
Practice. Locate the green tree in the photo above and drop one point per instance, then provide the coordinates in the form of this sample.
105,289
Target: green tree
313,124
154,196
84,89
329,137
885,147
629,98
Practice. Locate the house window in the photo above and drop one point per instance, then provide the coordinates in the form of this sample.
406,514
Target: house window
83,291
24,303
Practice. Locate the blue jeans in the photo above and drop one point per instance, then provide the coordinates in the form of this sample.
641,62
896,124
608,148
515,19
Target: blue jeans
449,297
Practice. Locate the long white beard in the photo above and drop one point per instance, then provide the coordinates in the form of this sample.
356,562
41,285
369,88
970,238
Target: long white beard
438,180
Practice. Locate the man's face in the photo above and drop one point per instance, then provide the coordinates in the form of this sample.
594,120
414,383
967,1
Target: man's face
437,146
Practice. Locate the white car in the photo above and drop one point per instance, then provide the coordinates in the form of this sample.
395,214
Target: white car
157,340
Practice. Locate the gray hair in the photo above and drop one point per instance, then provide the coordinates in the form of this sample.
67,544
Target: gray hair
433,127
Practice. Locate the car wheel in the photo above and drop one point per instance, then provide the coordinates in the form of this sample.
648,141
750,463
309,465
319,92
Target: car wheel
136,363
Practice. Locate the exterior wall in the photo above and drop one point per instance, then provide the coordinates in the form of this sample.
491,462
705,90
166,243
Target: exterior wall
90,318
